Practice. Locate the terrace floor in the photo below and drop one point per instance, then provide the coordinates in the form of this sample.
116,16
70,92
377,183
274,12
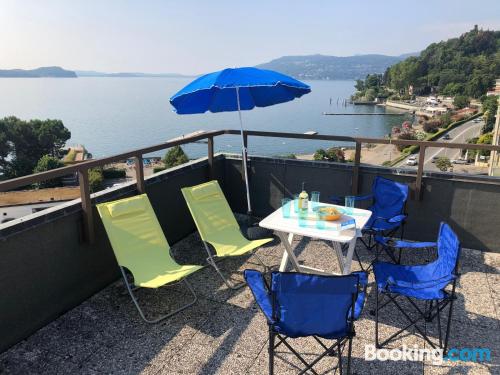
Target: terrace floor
225,333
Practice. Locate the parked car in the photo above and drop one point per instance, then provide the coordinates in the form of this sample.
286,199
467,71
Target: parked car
412,161
459,161
476,120
446,136
434,158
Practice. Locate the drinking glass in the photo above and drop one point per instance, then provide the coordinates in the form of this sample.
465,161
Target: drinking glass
303,219
314,199
296,203
285,207
349,204
320,224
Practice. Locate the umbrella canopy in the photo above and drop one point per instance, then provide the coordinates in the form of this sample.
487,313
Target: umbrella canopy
215,92
237,89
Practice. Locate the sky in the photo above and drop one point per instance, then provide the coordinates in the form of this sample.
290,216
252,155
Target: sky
192,37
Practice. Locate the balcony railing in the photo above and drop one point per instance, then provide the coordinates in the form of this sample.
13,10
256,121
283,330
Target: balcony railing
82,168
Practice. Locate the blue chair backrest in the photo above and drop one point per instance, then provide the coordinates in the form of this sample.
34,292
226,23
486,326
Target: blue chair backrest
305,304
389,197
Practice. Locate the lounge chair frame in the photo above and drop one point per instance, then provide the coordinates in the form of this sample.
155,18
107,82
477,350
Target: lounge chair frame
131,289
212,260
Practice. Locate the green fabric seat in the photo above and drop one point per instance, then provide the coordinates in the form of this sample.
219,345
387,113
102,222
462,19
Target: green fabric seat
216,222
139,243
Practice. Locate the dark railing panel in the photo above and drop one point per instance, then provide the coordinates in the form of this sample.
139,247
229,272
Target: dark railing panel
46,270
82,168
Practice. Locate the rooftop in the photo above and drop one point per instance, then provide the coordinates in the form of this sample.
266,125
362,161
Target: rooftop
225,333
63,310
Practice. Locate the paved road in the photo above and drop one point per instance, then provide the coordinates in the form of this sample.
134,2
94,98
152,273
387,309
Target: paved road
458,135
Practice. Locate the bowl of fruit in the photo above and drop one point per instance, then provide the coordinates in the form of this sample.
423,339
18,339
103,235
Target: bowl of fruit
329,213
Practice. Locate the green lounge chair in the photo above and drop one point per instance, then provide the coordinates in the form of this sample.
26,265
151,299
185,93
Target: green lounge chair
140,246
217,225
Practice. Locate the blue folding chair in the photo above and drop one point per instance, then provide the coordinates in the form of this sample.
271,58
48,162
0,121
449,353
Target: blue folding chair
388,213
301,305
420,283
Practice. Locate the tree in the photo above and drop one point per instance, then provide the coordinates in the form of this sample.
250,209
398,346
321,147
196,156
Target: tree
485,139
47,163
467,65
443,163
24,143
490,107
461,101
175,156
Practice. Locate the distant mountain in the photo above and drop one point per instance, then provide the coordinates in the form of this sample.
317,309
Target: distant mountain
91,73
48,71
333,67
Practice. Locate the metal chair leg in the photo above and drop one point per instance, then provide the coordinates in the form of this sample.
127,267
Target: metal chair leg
450,311
349,354
339,357
162,317
271,351
228,283
377,345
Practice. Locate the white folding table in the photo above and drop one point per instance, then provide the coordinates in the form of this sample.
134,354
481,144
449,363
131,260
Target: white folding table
286,228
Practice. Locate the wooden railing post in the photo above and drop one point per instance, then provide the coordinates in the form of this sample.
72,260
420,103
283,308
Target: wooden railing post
139,174
88,221
355,170
420,172
210,143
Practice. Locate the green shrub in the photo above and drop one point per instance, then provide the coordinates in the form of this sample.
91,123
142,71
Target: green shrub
445,120
158,169
288,156
95,179
443,163
432,126
47,163
333,154
405,136
461,101
114,173
175,156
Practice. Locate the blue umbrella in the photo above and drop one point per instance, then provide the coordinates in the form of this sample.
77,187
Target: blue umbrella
238,89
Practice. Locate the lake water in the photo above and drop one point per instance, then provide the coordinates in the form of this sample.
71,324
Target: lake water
112,115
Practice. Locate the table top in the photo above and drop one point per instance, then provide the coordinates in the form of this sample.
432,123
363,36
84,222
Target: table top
277,222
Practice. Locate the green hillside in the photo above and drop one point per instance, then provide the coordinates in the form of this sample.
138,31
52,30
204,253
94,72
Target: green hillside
467,65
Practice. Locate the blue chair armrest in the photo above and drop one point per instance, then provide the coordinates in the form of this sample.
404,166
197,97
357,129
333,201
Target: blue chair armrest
420,285
339,199
360,301
397,219
403,244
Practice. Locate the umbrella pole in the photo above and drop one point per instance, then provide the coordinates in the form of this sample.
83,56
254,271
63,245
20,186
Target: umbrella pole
244,154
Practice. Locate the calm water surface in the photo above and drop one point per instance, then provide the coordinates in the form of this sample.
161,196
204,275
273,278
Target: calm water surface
112,115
